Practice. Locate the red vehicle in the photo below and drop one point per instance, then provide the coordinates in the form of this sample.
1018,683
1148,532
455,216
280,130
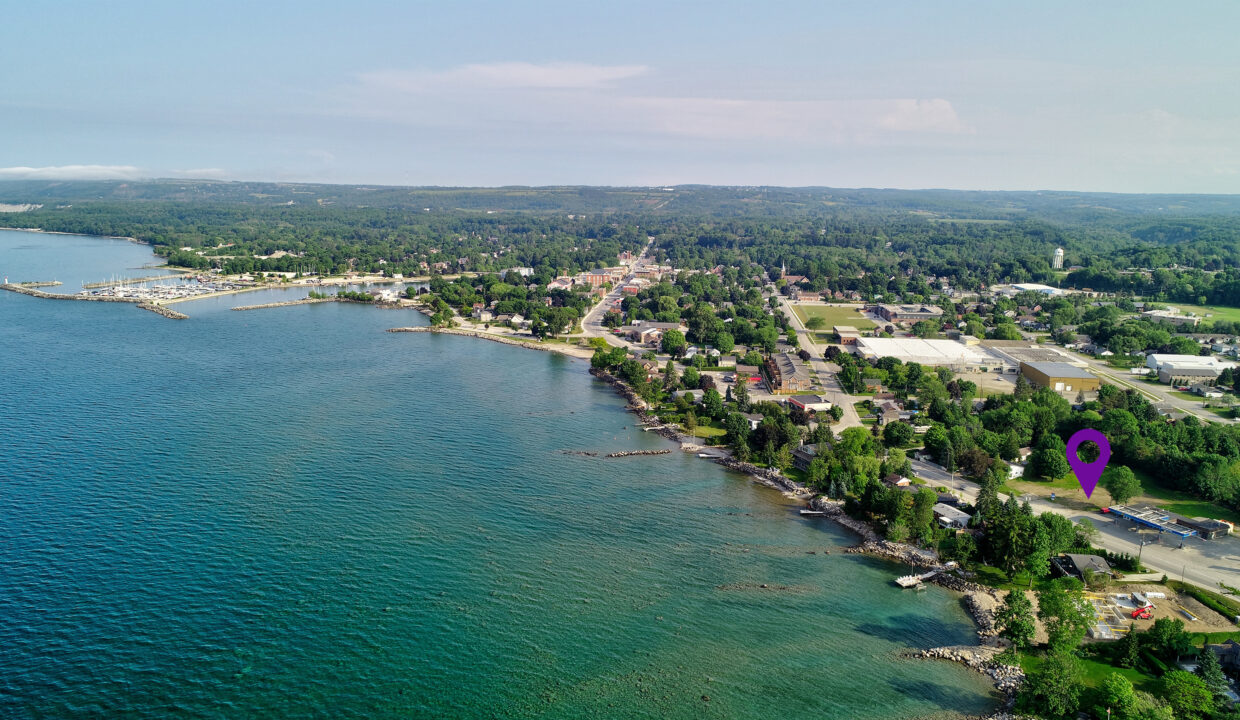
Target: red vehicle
1143,613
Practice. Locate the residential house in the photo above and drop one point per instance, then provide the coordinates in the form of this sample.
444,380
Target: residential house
803,456
755,419
895,480
950,517
1072,565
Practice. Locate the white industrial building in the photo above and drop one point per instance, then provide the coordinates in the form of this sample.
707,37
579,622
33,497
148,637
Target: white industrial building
1156,361
927,352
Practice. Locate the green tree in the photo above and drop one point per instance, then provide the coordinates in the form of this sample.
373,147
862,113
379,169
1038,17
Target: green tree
1211,673
737,427
670,378
742,393
1015,619
690,422
712,403
1121,484
816,322
725,343
1128,650
1117,696
921,521
1054,690
1038,560
1168,640
1065,613
674,343
782,458
898,434
1049,463
1187,694
692,378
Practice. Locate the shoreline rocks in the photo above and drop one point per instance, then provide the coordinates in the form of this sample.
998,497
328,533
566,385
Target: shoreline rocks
631,453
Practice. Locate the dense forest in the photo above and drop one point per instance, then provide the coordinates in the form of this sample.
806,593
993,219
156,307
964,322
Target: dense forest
1179,248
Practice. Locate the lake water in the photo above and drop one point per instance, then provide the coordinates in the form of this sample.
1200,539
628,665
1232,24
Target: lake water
291,513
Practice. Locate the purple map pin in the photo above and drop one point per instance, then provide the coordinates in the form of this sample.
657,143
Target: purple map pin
1087,474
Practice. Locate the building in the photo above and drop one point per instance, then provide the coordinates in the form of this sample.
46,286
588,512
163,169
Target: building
754,419
786,373
1032,287
1057,259
1206,528
810,403
803,456
1228,653
1077,565
1059,376
894,480
950,517
1173,373
847,334
1156,361
1171,317
929,352
909,313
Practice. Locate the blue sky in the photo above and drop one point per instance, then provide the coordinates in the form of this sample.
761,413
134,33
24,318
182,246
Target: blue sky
1125,97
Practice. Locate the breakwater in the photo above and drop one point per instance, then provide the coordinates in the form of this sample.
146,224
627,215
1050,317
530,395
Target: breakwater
161,310
22,289
631,453
286,303
39,283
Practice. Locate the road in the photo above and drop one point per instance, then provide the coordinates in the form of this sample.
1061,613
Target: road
592,323
1158,394
1202,562
826,371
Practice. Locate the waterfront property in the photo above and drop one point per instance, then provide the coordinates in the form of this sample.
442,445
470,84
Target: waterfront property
1073,565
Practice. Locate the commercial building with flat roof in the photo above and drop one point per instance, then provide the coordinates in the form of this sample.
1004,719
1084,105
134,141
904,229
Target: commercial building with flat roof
927,352
1059,376
1155,361
908,313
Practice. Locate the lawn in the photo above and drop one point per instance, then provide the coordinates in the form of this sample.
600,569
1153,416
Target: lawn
1209,312
833,315
1094,672
1069,490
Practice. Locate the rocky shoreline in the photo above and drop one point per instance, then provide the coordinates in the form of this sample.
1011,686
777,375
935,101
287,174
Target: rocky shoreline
286,303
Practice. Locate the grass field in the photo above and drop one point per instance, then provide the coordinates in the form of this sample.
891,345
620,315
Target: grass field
1209,312
1068,491
833,315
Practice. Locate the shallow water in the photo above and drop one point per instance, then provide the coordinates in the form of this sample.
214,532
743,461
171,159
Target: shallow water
290,512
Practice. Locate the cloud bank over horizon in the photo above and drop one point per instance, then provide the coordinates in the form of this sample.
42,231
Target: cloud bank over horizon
485,93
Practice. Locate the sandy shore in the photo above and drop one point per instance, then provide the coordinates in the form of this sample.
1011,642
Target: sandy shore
575,351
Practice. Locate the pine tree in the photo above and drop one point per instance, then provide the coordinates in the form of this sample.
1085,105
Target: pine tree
1210,672
742,394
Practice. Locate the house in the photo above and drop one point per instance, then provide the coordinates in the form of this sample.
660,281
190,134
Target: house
1072,565
894,480
809,403
888,413
803,456
482,315
1228,653
950,517
755,419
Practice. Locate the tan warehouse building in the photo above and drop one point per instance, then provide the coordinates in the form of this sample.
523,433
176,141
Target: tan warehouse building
1059,376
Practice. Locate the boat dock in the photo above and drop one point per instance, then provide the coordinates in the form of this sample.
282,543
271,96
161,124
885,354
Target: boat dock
908,581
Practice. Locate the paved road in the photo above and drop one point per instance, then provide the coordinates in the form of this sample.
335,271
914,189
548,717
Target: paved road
826,373
1202,562
1159,394
592,323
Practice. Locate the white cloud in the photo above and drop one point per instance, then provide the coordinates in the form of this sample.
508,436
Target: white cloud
202,174
811,121
506,75
72,172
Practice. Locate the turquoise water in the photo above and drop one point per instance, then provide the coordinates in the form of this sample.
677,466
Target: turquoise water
291,513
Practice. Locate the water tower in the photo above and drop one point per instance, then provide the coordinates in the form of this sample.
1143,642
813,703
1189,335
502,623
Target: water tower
1057,261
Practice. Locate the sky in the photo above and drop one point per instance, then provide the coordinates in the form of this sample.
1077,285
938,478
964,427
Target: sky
1092,96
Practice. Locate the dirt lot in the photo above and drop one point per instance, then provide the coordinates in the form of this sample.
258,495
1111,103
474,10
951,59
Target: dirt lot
990,383
1114,614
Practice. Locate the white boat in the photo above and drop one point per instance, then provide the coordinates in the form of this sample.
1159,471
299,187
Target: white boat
908,581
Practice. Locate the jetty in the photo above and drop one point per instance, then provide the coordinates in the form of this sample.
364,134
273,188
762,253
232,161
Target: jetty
288,303
908,581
